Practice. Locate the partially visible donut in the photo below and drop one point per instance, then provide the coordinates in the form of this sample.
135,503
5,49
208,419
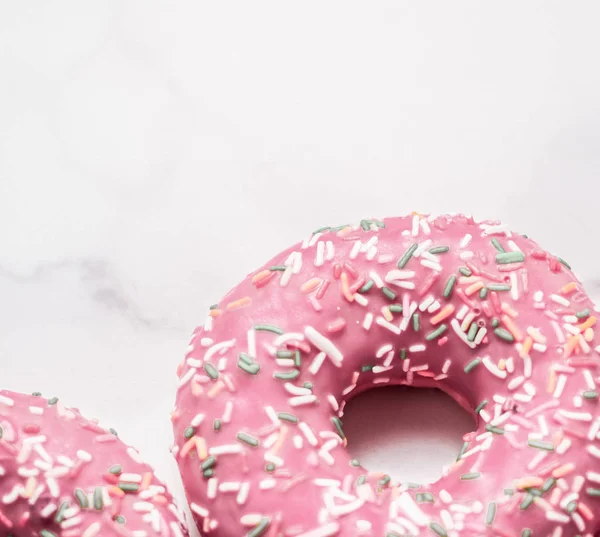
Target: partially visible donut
468,307
62,475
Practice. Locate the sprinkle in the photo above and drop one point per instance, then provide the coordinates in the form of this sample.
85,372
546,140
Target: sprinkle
339,427
289,375
388,293
504,334
252,368
260,528
407,256
504,258
448,288
496,244
366,287
286,416
324,344
470,475
539,444
481,406
211,371
490,514
436,333
472,365
439,530
247,439
269,328
439,250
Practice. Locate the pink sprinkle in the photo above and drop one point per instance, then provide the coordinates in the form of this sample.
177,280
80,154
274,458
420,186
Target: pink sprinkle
323,288
442,341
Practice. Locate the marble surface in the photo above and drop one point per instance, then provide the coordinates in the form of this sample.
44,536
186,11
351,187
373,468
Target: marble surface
152,153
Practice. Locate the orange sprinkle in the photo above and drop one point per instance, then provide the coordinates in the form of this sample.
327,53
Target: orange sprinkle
240,303
508,310
526,347
216,313
563,470
591,321
260,275
571,345
551,381
115,492
529,482
472,289
280,440
179,368
201,448
569,288
187,447
585,511
216,389
588,335
310,285
345,288
536,335
160,499
444,314
387,314
512,327
502,364
146,481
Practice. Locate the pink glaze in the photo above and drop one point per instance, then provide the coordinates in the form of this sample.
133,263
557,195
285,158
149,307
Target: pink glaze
503,326
63,475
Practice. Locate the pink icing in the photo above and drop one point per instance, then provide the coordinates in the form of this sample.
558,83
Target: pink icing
501,323
63,475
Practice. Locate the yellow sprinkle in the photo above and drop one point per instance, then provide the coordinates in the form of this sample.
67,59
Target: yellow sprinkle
387,314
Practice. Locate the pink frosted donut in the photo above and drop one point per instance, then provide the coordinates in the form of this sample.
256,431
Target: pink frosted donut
63,475
468,307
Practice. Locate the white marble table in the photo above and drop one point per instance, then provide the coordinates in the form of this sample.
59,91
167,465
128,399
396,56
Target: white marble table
152,153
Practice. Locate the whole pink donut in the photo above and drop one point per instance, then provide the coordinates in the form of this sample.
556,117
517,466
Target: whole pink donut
467,307
62,475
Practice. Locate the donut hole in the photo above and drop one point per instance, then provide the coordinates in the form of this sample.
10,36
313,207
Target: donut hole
407,433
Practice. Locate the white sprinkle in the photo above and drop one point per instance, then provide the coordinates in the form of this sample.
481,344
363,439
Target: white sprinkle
355,249
296,390
594,451
411,509
201,511
7,401
317,362
577,416
466,255
426,303
386,324
197,420
415,225
444,495
417,348
324,344
360,299
560,300
425,227
368,321
48,510
514,286
227,412
383,350
397,274
563,447
333,402
456,327
462,312
323,531
302,400
560,386
270,411
493,368
515,383
557,517
206,342
465,240
433,266
376,279
308,433
36,410
446,366
218,347
480,335
422,247
594,428
330,250
226,449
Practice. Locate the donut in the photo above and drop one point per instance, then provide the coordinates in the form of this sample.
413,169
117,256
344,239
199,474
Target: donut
465,306
62,475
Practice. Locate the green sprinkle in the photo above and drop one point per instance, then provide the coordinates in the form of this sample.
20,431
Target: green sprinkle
208,473
495,322
463,450
481,406
129,487
252,369
270,467
217,425
189,432
1,432
493,429
366,368
46,533
269,328
540,444
246,358
472,365
362,479
550,482
366,287
437,332
439,250
465,272
384,480
395,308
424,497
115,469
407,255
120,519
509,492
286,375
571,506
365,224
483,293
388,293
308,385
403,354
113,432
339,228
355,463
527,501
416,322
81,498
536,492
470,475
209,462
248,439
472,332
438,529
277,267
98,501
413,485
449,287
526,533
490,514
583,314
213,306
36,394
60,514
590,394
391,534
504,334
593,492
260,528
321,230
504,258
297,359
499,287
284,354
286,416
339,426
563,262
496,244
52,401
